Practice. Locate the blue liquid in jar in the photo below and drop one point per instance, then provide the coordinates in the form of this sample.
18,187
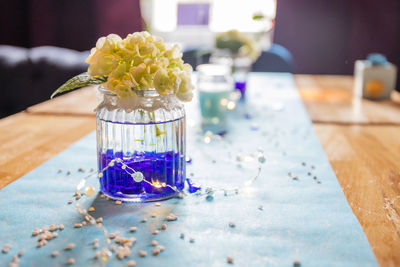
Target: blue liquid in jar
157,165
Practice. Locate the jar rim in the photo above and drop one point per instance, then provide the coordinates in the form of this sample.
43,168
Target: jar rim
152,92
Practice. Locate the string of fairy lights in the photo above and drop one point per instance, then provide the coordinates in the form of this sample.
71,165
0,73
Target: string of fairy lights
138,177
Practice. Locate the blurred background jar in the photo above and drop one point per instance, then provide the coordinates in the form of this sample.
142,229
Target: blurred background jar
215,86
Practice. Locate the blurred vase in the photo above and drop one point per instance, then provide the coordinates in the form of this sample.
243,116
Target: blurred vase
140,146
214,84
240,67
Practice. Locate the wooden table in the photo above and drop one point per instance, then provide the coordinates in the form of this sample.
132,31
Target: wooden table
358,136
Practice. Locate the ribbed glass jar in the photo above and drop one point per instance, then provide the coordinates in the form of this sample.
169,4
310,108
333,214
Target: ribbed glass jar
141,146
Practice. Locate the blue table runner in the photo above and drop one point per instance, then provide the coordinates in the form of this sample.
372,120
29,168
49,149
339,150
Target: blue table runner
305,219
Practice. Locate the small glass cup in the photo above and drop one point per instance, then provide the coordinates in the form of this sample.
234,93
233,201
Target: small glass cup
241,69
215,85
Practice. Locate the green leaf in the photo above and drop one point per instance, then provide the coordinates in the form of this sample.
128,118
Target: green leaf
78,81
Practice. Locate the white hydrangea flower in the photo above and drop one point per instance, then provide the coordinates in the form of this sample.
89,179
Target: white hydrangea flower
140,62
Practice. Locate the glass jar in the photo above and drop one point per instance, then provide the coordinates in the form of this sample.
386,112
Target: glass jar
140,146
240,71
240,67
215,85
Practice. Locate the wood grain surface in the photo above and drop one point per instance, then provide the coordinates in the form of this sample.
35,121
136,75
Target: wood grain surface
360,139
331,99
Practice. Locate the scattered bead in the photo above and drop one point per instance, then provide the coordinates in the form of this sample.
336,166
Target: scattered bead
232,224
77,225
295,178
296,263
157,204
137,177
118,202
55,254
261,159
319,181
163,226
89,191
95,245
191,240
153,215
102,196
77,197
155,232
5,249
142,253
156,251
70,201
91,209
112,235
303,163
68,172
315,177
70,246
154,243
144,220
161,248
81,170
20,253
71,261
171,217
99,220
96,255
83,223
52,227
61,227
180,195
260,207
182,236
309,173
229,259
131,263
132,229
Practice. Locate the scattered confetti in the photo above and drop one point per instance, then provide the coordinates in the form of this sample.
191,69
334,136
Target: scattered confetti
171,217
131,263
70,246
55,254
156,251
142,253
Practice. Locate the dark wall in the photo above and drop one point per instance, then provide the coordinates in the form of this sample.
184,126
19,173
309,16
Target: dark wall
75,24
326,37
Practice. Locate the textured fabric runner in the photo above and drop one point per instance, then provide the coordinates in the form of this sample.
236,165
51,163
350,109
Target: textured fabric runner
304,215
